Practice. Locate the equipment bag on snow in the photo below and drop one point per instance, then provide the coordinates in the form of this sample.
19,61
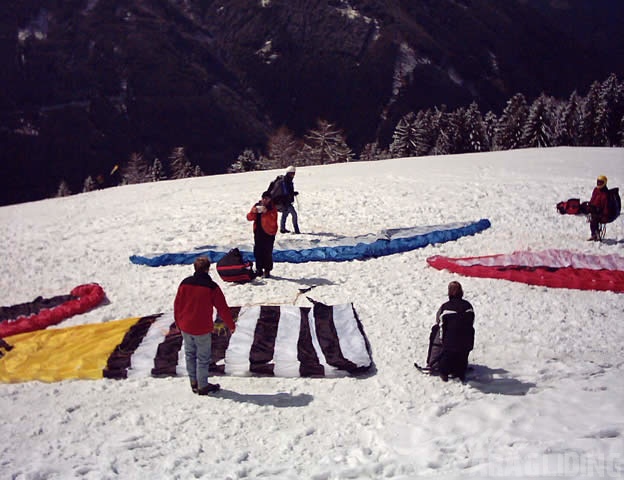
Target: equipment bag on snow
232,267
434,352
614,204
570,207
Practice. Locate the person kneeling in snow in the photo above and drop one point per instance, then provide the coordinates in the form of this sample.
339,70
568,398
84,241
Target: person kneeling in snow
455,319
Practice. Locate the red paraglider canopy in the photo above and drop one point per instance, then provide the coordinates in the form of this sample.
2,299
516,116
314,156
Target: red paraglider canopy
549,268
85,298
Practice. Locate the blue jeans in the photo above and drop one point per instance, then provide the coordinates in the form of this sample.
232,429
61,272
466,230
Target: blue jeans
290,210
198,352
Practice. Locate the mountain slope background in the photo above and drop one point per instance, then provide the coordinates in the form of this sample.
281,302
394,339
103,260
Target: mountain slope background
87,82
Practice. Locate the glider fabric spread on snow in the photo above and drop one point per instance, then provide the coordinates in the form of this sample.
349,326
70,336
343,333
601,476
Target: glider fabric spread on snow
42,312
388,242
285,341
549,268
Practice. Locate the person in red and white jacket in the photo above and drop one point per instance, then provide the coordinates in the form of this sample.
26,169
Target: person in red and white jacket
197,297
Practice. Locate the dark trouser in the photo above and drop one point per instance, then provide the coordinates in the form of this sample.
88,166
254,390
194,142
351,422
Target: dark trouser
454,363
593,225
263,250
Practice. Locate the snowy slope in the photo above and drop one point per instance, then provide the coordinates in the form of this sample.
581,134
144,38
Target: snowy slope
547,394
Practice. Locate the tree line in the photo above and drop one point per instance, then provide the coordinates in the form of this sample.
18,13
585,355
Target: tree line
596,119
138,169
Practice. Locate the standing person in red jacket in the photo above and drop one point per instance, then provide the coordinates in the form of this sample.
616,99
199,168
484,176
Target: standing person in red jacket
193,308
599,210
264,216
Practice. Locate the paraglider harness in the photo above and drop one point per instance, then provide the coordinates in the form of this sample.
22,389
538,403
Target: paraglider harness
279,194
233,268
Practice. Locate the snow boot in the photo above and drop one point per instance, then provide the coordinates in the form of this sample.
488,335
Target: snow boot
208,389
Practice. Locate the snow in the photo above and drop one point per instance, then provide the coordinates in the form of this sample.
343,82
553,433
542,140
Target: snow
547,394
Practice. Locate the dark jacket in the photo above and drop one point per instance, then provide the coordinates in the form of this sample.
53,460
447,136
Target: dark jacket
456,318
599,201
289,189
193,307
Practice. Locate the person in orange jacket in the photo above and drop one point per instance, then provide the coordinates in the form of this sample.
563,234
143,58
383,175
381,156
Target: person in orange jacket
264,216
599,210
197,297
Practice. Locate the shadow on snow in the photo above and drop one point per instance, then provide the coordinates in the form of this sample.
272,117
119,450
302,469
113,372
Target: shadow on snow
496,380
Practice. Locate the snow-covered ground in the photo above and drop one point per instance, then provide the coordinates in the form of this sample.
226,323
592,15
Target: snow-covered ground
547,397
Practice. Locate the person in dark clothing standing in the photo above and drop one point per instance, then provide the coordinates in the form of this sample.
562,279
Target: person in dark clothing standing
289,195
264,216
599,210
193,312
456,320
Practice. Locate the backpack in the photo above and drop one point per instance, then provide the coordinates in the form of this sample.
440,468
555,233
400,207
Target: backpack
614,204
571,207
232,268
278,194
434,353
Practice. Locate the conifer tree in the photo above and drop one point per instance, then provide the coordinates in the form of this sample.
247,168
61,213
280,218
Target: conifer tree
197,171
63,189
490,121
510,124
441,122
567,122
180,165
453,136
157,171
537,129
372,151
476,139
594,119
246,162
136,170
426,131
88,185
404,139
325,144
612,94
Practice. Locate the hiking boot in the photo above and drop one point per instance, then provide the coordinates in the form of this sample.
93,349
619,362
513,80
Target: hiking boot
444,377
283,230
208,389
267,274
592,239
297,232
194,386
258,272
